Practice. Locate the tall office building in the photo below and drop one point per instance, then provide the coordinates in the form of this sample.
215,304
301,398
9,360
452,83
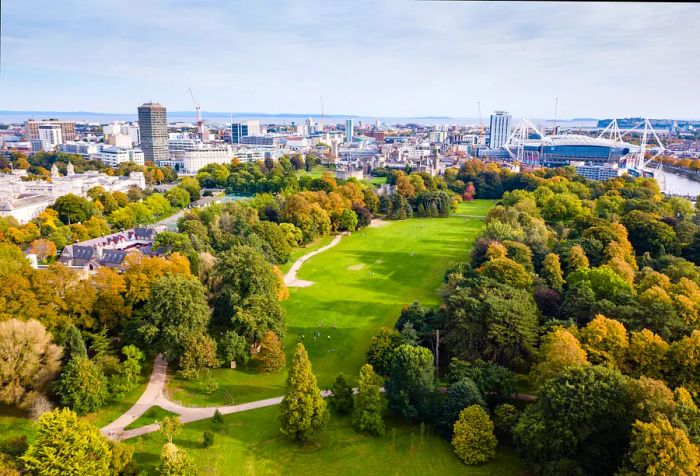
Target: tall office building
349,130
153,124
244,129
499,129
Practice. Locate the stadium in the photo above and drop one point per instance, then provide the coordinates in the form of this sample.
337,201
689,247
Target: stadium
606,155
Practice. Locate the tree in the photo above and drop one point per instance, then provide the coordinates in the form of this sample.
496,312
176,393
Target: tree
495,382
577,259
559,350
473,440
271,357
176,311
303,412
370,404
507,271
505,417
244,284
341,395
648,354
43,249
650,399
128,372
73,209
171,427
551,272
199,354
381,348
73,344
582,414
459,396
82,385
28,359
411,389
684,363
233,348
659,448
68,445
605,341
175,462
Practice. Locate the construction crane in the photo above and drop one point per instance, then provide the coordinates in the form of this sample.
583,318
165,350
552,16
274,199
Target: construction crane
200,122
323,117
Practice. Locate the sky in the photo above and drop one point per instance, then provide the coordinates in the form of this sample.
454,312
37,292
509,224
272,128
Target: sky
367,58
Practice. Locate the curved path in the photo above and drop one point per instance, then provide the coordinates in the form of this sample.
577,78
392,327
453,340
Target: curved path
290,279
154,396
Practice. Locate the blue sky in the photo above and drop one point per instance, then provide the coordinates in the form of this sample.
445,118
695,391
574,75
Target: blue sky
378,58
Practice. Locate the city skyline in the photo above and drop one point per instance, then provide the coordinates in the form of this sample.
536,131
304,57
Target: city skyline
385,60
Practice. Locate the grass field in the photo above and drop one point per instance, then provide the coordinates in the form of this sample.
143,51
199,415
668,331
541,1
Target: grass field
152,415
360,285
250,443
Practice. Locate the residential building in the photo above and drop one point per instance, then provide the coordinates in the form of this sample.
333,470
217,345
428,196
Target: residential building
113,156
120,134
50,134
31,129
86,149
153,124
499,129
599,172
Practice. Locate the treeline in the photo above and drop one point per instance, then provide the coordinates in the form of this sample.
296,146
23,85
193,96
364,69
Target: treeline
73,218
591,289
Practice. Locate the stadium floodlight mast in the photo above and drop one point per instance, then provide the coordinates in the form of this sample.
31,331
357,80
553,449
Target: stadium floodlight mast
515,145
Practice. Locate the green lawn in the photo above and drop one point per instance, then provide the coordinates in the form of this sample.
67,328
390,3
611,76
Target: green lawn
152,415
13,423
250,443
317,171
301,251
360,285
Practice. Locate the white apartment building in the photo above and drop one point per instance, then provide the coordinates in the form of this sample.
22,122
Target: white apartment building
195,158
86,149
113,156
121,134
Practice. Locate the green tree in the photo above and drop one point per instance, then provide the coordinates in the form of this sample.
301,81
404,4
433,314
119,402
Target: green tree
582,414
659,448
175,462
347,220
82,385
341,398
73,209
648,234
303,412
233,347
381,349
505,417
73,344
411,389
460,395
199,354
473,440
176,311
68,445
128,372
370,404
171,427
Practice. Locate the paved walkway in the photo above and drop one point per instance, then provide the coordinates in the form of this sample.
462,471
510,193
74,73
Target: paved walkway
290,279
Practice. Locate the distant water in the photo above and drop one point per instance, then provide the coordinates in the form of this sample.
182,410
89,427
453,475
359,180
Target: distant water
9,117
676,184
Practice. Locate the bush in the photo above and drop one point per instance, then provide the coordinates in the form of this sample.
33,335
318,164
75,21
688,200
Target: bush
207,439
473,440
341,400
271,357
218,418
505,417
